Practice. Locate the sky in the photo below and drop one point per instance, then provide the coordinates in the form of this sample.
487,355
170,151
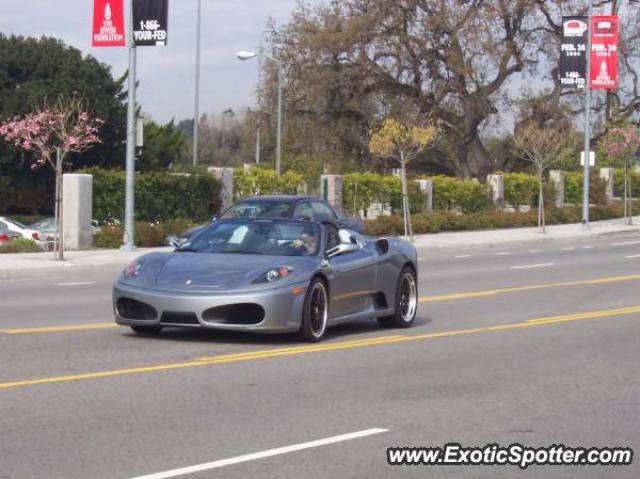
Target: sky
166,75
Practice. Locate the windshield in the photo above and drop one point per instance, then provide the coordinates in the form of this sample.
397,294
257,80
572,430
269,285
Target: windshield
269,237
18,224
258,209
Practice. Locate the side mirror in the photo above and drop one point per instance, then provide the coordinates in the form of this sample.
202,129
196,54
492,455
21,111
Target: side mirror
172,241
347,244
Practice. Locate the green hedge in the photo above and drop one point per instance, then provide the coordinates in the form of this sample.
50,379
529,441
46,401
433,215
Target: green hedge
442,220
618,183
159,196
264,181
520,189
573,188
20,245
466,196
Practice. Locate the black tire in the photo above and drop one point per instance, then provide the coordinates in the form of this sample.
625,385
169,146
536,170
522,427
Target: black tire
147,329
406,301
315,312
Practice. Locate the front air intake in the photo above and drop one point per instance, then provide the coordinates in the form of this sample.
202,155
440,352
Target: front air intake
241,313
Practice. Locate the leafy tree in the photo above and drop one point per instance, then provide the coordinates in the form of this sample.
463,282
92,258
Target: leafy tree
164,145
62,129
38,71
402,143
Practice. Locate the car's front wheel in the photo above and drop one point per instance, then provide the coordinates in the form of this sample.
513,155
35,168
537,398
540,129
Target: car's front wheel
147,329
406,301
315,312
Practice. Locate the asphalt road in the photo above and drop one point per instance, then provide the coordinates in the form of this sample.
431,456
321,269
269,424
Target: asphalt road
535,344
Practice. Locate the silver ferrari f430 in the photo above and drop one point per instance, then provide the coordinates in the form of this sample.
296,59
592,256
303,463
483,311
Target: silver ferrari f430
270,275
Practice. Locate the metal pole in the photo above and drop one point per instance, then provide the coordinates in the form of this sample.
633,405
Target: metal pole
279,138
129,207
587,125
196,108
259,97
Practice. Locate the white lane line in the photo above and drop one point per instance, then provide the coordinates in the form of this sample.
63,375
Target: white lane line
625,243
568,248
633,256
587,247
504,253
529,266
463,256
75,284
535,251
261,455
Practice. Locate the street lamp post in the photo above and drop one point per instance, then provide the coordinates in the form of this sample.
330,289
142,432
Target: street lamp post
196,101
128,240
244,55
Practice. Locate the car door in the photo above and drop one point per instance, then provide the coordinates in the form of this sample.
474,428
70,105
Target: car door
352,278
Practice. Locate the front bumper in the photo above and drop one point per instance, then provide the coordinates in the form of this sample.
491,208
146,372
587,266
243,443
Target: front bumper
282,308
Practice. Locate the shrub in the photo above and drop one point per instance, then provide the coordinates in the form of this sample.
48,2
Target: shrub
573,188
444,220
618,183
520,189
159,196
147,235
20,245
466,196
264,181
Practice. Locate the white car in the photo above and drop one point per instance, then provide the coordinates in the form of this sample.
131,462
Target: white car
25,231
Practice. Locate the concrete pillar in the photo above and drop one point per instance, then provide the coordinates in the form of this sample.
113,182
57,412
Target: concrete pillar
331,188
77,209
557,179
607,175
496,183
426,186
246,167
226,177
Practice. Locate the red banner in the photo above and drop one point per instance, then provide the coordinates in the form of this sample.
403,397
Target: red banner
604,52
108,23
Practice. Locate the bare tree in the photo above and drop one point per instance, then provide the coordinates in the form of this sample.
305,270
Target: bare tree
543,146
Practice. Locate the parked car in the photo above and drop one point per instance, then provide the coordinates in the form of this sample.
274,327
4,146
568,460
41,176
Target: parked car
25,231
270,275
286,206
46,227
7,235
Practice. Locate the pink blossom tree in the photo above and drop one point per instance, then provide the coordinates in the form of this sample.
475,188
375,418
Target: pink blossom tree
49,135
621,144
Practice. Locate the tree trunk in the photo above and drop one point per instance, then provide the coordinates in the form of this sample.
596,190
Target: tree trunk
59,208
405,198
541,219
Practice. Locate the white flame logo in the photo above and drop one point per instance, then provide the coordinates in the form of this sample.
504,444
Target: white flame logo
107,12
603,68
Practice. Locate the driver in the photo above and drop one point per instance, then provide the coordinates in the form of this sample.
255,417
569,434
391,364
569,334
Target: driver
307,242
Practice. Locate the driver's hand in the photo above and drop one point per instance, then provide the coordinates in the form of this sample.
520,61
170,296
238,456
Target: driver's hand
297,243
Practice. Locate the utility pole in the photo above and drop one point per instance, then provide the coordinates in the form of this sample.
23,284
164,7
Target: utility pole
196,109
587,124
129,208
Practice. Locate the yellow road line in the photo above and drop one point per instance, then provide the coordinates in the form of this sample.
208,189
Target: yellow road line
55,329
358,343
493,292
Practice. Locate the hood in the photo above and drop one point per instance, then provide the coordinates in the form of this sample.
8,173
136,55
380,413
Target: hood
210,272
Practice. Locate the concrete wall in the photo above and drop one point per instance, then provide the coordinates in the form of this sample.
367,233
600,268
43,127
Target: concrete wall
226,177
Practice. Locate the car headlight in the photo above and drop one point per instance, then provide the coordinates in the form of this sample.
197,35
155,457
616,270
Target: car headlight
133,269
273,275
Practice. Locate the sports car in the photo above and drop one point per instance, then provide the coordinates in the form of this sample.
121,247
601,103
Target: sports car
270,275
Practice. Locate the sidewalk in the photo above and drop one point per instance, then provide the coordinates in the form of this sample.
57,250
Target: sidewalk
33,265
500,237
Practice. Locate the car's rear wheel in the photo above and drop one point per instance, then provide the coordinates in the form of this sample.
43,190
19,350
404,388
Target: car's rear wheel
147,329
315,312
406,301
